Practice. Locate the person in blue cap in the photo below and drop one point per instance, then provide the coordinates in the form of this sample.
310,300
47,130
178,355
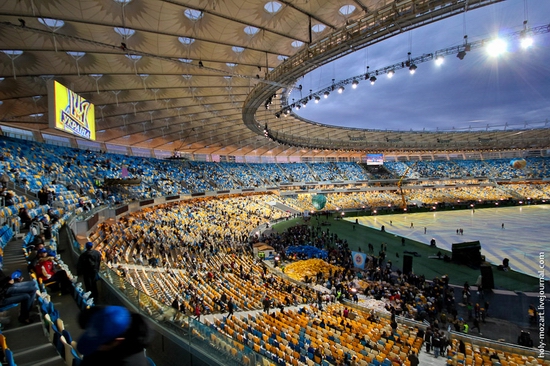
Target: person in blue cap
46,271
13,290
88,267
113,336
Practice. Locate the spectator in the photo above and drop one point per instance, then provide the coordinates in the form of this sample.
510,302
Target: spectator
532,313
413,359
525,340
53,216
43,196
35,242
197,311
46,271
26,219
32,257
36,227
113,336
461,347
88,267
47,229
436,343
230,307
14,290
8,199
4,179
86,206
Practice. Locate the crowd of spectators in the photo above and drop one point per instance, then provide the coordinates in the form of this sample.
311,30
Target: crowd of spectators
326,172
200,245
37,167
272,172
298,172
244,174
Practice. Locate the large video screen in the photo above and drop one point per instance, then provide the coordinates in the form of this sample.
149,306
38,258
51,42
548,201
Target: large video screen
70,112
375,159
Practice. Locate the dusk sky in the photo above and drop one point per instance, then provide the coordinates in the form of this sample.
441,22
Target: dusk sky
477,91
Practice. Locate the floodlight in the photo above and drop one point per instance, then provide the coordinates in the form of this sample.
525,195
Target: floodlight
526,42
496,47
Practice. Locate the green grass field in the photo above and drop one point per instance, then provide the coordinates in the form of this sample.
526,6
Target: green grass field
360,236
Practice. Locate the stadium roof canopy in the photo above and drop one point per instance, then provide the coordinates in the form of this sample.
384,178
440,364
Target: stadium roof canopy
195,75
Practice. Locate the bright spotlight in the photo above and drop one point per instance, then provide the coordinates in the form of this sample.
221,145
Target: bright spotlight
354,84
526,42
340,89
439,60
317,99
497,47
326,94
390,74
372,80
412,69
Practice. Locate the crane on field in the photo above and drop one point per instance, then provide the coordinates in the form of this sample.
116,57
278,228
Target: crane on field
400,182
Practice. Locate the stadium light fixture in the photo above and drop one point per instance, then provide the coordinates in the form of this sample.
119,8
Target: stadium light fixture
340,89
412,69
317,99
354,83
372,80
497,47
390,74
526,41
439,60
326,94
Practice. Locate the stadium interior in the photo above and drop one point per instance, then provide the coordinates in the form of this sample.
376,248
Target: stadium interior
232,224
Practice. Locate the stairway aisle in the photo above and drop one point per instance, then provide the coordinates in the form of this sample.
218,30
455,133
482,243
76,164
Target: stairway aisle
29,344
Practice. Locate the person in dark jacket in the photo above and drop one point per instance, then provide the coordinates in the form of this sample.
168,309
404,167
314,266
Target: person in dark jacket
88,267
113,336
413,359
25,218
13,290
428,339
436,344
461,347
43,196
